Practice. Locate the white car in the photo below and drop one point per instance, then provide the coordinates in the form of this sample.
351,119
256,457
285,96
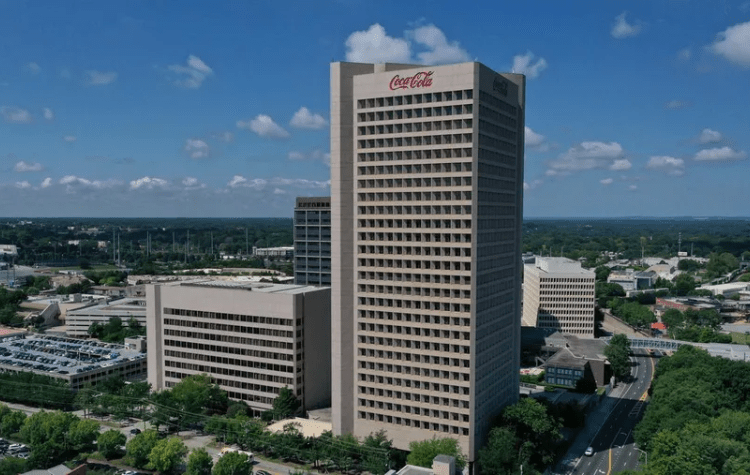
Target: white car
589,452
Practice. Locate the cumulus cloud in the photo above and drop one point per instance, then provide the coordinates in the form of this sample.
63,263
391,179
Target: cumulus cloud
606,181
279,191
46,183
633,187
48,114
535,141
148,183
317,154
192,74
531,185
375,46
73,181
670,165
33,68
192,183
709,136
239,181
524,64
734,44
591,155
675,104
23,184
622,29
100,78
15,115
22,167
196,148
438,49
304,119
264,126
70,138
719,154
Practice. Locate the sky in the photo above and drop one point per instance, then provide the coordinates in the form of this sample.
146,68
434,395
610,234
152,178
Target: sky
221,109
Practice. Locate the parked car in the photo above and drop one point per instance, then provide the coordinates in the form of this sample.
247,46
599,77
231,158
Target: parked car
135,431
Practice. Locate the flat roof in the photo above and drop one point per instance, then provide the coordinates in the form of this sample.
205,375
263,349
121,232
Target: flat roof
134,306
264,287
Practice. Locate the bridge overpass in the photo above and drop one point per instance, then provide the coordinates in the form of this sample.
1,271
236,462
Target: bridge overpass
724,350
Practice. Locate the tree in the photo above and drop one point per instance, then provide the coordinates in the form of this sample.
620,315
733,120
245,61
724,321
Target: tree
602,272
376,450
531,422
12,423
618,352
673,319
502,452
233,463
683,285
167,454
109,443
199,462
82,434
12,466
196,396
422,453
140,446
285,404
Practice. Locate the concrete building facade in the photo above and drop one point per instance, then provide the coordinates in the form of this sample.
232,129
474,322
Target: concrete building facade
312,241
253,339
426,184
79,320
559,294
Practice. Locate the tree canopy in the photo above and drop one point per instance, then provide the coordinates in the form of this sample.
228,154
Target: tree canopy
618,354
422,453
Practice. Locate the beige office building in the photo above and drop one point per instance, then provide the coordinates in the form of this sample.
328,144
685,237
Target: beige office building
559,294
253,339
426,185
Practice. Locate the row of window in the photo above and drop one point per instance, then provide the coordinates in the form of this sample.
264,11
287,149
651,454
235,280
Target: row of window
403,155
438,387
415,127
416,251
417,331
454,266
420,168
413,182
232,350
229,316
497,103
370,103
428,319
417,141
385,196
238,340
415,113
415,210
231,328
416,410
242,396
230,366
381,340
409,277
416,423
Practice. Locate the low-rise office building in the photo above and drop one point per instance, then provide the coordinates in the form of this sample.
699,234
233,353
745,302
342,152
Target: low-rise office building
252,339
79,320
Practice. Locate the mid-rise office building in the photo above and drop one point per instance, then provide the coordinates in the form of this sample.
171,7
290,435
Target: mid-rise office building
426,185
312,241
559,294
252,339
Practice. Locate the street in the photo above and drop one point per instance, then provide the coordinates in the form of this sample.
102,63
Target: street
614,448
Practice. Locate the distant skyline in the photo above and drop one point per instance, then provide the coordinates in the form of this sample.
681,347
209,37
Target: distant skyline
221,109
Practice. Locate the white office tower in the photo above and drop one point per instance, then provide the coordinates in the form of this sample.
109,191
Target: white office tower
427,195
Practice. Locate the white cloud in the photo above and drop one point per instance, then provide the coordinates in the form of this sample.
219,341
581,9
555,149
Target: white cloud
709,136
621,164
671,165
534,140
148,183
23,184
264,126
100,78
675,104
530,186
685,54
633,187
622,29
70,138
197,148
317,154
22,167
719,154
33,68
524,64
606,181
278,191
46,182
591,155
375,46
300,182
48,114
551,172
304,119
15,115
192,75
239,181
71,181
192,183
734,44
439,50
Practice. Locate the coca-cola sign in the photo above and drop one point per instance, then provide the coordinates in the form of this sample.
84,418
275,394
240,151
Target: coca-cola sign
421,79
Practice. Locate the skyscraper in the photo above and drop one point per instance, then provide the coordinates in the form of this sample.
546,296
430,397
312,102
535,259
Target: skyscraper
427,195
312,241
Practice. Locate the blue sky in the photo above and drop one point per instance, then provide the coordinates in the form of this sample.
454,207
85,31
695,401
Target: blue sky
197,108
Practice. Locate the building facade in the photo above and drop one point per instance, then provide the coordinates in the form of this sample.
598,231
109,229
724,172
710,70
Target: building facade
427,194
78,321
312,241
559,294
253,339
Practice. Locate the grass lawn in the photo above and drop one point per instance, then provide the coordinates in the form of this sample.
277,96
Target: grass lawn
740,338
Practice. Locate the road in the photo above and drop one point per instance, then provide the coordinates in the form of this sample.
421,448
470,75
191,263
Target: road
614,448
7,275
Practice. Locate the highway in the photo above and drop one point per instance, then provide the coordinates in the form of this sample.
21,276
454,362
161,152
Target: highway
614,448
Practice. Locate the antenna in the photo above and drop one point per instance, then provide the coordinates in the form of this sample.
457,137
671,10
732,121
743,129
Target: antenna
679,243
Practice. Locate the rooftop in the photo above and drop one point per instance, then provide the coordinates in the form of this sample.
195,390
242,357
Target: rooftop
251,286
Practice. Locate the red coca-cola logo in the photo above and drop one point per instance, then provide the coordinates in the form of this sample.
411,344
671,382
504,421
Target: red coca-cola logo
421,79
